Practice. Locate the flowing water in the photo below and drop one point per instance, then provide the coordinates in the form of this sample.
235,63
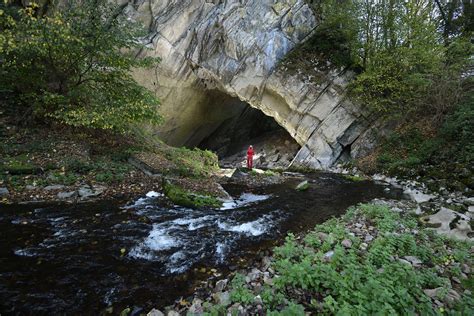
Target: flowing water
147,253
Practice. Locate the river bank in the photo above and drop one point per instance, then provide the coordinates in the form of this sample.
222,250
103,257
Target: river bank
377,258
418,250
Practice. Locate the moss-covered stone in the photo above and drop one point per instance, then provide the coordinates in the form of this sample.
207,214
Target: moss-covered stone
183,197
353,178
303,186
19,166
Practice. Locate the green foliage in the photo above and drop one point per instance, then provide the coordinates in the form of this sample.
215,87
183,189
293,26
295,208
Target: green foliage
189,199
214,310
336,36
355,282
195,163
447,155
409,59
291,310
74,65
240,293
18,165
353,178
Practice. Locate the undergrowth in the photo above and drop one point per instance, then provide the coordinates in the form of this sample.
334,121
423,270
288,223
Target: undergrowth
447,154
320,276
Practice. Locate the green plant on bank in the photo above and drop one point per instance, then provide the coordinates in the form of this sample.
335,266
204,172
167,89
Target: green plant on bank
240,293
196,163
353,178
318,275
18,165
185,198
74,65
449,154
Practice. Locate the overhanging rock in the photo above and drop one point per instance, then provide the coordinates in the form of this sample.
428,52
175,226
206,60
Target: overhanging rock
236,47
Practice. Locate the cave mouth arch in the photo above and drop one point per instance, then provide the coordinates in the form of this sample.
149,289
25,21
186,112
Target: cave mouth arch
244,126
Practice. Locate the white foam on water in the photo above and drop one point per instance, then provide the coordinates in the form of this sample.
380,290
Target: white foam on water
143,200
221,249
253,228
25,253
177,262
243,200
153,194
139,202
193,223
157,240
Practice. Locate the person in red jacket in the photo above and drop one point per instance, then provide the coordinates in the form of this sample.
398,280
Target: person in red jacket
250,157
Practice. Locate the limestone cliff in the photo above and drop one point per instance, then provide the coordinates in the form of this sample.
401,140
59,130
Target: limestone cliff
219,55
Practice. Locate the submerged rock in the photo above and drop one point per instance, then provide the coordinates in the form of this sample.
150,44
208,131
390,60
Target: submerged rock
302,186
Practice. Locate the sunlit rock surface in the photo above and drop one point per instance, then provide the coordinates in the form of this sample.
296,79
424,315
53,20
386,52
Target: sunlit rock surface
219,55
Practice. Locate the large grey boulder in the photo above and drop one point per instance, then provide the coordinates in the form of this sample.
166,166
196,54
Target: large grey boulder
219,55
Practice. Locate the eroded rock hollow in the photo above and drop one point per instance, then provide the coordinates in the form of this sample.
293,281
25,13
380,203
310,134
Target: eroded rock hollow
230,52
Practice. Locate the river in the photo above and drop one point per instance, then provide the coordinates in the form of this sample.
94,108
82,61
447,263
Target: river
84,258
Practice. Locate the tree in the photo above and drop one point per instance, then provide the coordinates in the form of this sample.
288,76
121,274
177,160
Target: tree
74,65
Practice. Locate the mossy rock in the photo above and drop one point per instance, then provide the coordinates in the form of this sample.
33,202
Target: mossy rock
19,166
303,186
353,178
185,198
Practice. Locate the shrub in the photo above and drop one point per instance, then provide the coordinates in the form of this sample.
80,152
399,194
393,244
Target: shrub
74,65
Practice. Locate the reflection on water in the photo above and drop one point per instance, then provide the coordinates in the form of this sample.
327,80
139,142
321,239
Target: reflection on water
82,259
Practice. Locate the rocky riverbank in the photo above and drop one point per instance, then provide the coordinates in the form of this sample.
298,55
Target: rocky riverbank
419,251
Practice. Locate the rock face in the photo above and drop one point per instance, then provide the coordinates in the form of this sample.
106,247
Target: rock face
218,56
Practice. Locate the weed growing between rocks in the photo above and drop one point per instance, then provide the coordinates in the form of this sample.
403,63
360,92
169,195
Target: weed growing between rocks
373,260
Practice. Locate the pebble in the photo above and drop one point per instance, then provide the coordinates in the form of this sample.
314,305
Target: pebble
267,280
346,243
328,255
196,307
155,312
414,261
368,238
221,285
4,192
258,300
222,298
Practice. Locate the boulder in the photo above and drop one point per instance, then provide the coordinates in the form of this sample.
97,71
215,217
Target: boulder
346,243
221,285
53,187
225,50
155,312
67,195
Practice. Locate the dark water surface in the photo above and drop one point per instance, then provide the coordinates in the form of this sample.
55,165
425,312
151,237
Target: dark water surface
81,259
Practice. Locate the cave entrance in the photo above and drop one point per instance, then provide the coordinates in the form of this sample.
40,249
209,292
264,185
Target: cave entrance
274,146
